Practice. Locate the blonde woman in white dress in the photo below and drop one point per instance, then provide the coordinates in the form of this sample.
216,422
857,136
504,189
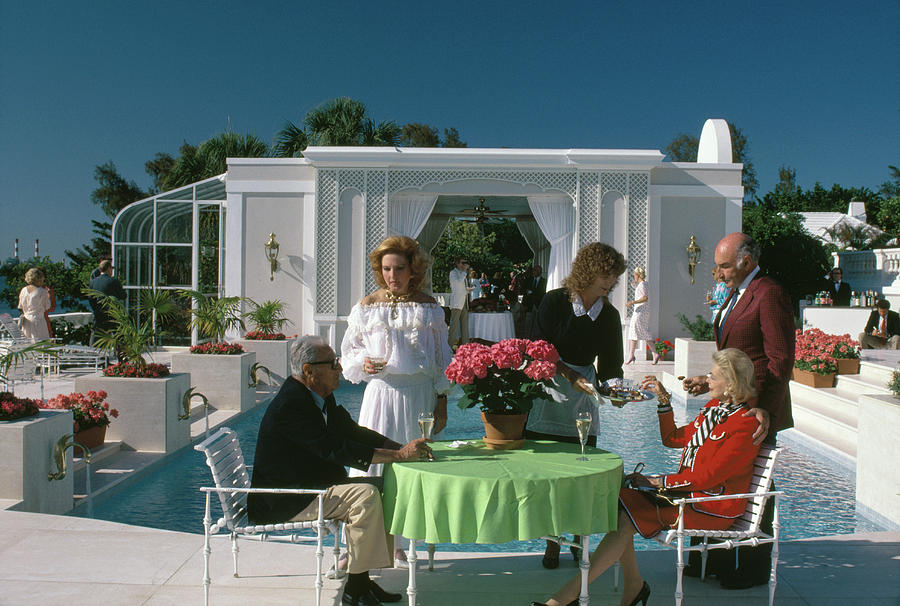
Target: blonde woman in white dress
35,301
639,326
396,341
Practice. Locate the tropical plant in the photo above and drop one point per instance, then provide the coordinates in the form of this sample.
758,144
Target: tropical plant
214,316
88,409
506,377
208,159
701,329
133,335
13,355
267,317
12,408
857,237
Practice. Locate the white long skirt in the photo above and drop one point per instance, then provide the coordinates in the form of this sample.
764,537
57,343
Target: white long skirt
391,406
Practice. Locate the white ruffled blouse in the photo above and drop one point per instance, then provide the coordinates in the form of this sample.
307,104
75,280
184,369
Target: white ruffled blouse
414,341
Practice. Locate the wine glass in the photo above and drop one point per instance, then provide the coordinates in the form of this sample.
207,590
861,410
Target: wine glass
426,424
583,425
377,361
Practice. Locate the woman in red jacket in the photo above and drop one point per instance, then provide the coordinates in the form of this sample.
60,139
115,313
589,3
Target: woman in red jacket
717,458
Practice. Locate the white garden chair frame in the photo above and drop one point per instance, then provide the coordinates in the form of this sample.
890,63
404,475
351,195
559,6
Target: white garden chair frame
232,485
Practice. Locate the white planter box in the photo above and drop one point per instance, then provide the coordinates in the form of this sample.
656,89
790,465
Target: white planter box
148,410
224,380
693,358
26,457
877,454
274,355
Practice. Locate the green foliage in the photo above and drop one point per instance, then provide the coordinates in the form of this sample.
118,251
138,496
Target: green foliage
888,217
683,148
113,191
501,248
208,159
66,282
85,259
891,187
67,333
214,316
451,138
787,181
894,384
133,335
267,317
789,253
159,168
819,199
701,329
419,135
855,237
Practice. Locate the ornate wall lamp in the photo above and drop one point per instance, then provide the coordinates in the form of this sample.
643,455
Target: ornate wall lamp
272,255
693,255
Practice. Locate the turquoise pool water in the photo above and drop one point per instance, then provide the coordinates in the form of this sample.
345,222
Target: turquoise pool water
820,497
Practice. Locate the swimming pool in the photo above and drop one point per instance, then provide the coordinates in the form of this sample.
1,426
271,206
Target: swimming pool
820,496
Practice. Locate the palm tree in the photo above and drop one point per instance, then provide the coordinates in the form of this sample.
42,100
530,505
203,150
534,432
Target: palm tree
339,122
208,159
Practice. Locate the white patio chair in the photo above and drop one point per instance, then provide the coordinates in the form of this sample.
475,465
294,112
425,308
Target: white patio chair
69,355
226,462
745,532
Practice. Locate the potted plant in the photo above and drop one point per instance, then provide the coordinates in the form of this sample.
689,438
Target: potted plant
90,416
219,370
845,352
146,393
504,380
272,347
13,408
662,347
813,360
693,356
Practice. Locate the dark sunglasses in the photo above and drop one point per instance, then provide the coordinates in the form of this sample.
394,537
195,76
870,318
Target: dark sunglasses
335,362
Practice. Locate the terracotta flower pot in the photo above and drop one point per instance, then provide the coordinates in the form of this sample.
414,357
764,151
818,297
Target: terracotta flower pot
92,438
813,379
847,366
504,431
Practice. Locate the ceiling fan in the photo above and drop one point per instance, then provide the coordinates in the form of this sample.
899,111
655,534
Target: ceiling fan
482,213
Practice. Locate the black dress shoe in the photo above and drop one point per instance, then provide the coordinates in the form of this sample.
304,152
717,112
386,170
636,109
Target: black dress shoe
366,598
382,595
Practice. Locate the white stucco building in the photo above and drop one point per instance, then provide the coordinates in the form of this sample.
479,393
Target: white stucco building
332,207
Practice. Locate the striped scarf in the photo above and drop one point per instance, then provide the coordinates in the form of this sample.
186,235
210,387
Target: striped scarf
712,416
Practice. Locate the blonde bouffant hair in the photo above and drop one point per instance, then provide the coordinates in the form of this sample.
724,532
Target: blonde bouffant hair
35,275
737,370
592,261
407,247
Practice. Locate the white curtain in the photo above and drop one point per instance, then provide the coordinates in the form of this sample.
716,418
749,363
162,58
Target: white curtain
555,216
409,212
536,241
428,239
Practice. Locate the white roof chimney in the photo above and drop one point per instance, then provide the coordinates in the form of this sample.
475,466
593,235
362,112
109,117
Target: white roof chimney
857,210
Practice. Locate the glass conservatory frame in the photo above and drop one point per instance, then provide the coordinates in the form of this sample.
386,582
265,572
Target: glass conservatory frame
173,240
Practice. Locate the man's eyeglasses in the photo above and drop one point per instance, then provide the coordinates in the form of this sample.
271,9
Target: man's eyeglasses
335,362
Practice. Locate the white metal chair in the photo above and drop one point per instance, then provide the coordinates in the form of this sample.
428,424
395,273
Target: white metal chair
71,355
745,532
226,462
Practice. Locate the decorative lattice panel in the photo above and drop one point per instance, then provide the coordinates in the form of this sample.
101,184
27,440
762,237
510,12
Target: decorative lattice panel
563,181
637,223
588,209
355,179
326,241
376,218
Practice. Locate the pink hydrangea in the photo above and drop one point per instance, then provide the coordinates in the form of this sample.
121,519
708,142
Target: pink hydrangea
540,370
542,350
506,354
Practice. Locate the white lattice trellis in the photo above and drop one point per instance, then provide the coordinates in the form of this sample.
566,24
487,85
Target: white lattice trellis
376,218
563,181
588,209
637,223
326,241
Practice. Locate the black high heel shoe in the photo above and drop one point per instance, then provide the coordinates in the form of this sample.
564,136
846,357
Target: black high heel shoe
642,595
550,560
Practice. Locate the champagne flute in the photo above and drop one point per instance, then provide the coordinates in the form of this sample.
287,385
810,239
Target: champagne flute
583,425
426,425
377,361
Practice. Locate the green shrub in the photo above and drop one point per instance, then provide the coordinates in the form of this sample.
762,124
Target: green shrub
701,329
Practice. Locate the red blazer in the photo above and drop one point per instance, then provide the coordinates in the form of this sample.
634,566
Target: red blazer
762,326
723,463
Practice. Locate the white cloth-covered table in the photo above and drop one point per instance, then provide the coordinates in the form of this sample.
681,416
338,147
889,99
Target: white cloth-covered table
491,326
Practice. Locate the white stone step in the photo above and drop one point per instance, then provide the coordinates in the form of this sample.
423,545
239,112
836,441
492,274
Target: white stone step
825,401
875,372
858,385
825,429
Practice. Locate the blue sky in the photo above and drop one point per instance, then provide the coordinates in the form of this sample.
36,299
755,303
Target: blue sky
813,85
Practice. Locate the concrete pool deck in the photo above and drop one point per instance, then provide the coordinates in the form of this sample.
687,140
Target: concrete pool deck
50,560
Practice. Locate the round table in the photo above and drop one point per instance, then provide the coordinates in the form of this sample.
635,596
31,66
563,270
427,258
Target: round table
477,495
491,326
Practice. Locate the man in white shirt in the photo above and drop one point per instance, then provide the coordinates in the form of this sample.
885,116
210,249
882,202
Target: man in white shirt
459,303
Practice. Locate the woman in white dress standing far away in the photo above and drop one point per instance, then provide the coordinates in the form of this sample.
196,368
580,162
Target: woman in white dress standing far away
396,341
639,326
35,301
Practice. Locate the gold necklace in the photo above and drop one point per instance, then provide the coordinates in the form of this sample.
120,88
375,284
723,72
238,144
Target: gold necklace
394,299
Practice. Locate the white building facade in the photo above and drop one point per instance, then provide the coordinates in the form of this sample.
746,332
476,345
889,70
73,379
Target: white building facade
332,207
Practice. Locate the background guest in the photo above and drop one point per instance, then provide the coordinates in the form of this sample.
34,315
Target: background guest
35,302
716,298
708,466
883,328
110,286
459,303
396,341
586,330
837,288
639,326
475,284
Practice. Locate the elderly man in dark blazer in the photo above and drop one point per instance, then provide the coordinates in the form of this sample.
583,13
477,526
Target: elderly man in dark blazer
757,318
305,441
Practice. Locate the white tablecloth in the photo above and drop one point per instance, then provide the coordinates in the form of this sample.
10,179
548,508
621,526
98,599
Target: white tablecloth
491,326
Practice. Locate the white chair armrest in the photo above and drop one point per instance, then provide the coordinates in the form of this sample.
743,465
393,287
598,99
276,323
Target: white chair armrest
725,497
265,490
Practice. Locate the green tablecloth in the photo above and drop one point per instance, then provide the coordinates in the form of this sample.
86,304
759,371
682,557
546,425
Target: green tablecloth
477,495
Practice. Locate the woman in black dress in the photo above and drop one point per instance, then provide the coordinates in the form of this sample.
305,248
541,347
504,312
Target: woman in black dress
586,329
